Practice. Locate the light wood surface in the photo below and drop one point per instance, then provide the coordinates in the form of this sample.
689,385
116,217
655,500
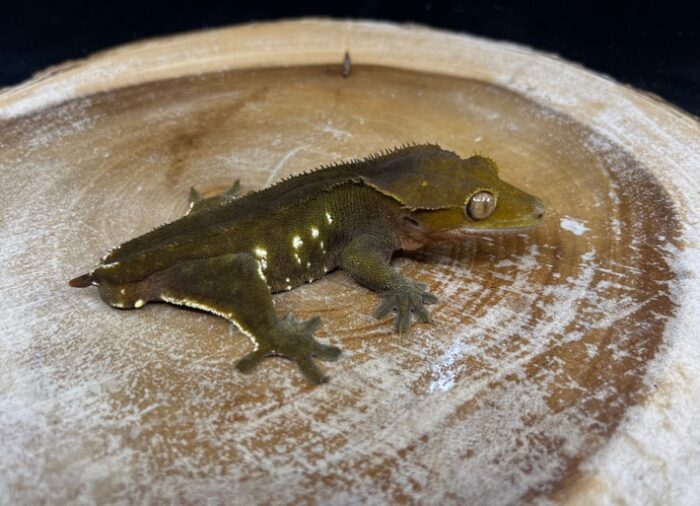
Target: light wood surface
561,364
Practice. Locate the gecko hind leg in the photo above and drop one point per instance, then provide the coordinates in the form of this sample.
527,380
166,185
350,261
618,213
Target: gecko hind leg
233,286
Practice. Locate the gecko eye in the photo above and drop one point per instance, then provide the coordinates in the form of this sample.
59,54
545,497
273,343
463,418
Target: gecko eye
480,205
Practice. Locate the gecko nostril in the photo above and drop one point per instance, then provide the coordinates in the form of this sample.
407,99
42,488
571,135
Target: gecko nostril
539,210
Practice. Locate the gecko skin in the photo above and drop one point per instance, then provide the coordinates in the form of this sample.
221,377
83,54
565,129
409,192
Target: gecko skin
228,254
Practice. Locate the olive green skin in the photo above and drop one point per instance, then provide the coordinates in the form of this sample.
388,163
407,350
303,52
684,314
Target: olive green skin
229,253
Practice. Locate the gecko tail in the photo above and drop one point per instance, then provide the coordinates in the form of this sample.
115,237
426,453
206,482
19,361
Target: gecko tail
81,281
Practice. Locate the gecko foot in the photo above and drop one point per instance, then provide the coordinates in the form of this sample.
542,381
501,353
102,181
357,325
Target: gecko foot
407,299
198,203
233,191
293,339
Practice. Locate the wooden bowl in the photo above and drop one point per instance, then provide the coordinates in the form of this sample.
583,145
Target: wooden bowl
561,364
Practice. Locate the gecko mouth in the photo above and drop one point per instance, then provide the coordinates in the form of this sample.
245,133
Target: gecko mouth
507,230
457,234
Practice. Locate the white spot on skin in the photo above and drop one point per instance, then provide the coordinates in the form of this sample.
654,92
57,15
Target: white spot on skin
298,258
122,291
261,253
308,264
329,218
139,303
314,232
260,270
572,225
297,242
287,280
289,287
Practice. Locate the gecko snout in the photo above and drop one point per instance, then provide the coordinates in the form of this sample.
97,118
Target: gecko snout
538,209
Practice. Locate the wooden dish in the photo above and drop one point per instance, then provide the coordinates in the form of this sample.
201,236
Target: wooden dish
561,363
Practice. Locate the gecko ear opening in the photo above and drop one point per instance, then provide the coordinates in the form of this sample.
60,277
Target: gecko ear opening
412,222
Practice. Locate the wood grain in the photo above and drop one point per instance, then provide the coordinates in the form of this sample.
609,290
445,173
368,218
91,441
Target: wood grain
545,349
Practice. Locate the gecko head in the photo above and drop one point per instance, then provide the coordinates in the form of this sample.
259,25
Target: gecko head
468,199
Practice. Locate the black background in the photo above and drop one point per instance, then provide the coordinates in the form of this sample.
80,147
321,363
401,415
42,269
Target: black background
654,46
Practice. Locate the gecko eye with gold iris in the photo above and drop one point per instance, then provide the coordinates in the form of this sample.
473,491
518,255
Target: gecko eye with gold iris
480,205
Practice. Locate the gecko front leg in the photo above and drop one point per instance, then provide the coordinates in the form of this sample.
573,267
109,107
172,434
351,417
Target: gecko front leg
366,260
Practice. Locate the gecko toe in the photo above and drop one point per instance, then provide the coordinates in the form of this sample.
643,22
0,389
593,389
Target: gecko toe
248,363
386,306
429,298
194,196
311,371
326,352
422,314
235,189
403,318
311,325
